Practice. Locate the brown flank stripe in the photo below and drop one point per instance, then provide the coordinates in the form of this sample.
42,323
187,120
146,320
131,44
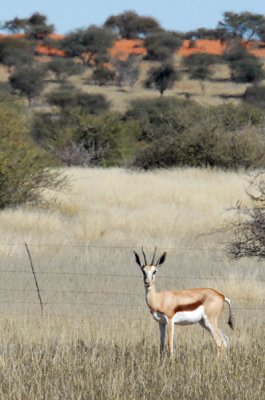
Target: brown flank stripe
188,307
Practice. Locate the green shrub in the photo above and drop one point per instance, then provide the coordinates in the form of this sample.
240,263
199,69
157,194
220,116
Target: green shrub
183,133
161,78
255,95
24,168
103,76
104,140
247,70
92,103
28,81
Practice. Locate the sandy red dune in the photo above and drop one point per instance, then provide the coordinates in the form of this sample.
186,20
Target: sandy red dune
201,46
125,47
49,51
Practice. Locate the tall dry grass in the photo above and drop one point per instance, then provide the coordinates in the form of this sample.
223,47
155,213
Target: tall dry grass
90,359
96,339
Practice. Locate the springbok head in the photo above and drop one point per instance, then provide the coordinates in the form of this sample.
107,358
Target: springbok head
149,270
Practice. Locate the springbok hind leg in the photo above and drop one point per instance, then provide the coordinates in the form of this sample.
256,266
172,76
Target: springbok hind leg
211,326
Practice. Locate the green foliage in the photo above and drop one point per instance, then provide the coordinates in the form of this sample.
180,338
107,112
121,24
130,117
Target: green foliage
104,140
243,25
87,43
63,68
16,52
28,81
161,78
36,26
255,95
130,25
24,168
126,71
183,133
198,65
161,46
92,103
247,70
103,76
244,67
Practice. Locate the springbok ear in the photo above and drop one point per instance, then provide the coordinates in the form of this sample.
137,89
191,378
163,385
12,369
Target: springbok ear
161,259
137,259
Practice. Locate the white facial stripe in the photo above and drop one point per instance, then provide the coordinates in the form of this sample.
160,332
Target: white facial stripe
149,273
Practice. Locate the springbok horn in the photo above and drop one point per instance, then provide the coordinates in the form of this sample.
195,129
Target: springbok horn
153,259
145,262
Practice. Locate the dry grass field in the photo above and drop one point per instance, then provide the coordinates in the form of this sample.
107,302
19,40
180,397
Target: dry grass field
96,338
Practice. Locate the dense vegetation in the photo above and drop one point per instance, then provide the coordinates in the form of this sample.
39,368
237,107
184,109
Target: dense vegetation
78,128
25,169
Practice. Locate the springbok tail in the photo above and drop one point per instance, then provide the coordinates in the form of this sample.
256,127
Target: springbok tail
230,318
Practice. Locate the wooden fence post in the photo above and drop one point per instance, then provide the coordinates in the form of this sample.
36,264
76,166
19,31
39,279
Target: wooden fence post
35,278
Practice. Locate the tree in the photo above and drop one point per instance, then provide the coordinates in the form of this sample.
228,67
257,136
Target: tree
15,25
103,76
81,138
247,70
87,43
255,95
64,67
25,169
36,26
126,71
245,25
203,33
91,103
198,66
244,67
161,78
28,81
249,229
130,25
162,46
16,52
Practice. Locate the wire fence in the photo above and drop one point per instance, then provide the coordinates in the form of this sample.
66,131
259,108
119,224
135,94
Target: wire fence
45,297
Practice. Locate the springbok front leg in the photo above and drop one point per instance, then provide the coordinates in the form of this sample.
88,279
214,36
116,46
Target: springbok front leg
170,325
162,329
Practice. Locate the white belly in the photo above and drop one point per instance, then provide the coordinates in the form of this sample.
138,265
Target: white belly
188,317
181,317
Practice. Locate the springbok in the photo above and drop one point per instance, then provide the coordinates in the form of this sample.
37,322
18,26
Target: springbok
183,307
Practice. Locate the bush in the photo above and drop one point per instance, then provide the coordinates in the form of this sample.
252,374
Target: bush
103,76
244,67
249,228
161,46
255,95
198,65
28,81
24,168
77,138
70,97
182,133
63,68
246,70
161,78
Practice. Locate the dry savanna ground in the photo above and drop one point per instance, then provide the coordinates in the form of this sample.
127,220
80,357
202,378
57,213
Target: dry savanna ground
218,90
96,338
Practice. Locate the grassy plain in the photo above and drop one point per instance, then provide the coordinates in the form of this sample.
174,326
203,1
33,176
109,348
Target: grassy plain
96,339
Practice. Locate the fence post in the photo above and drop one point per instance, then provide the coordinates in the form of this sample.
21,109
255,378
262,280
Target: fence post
35,278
